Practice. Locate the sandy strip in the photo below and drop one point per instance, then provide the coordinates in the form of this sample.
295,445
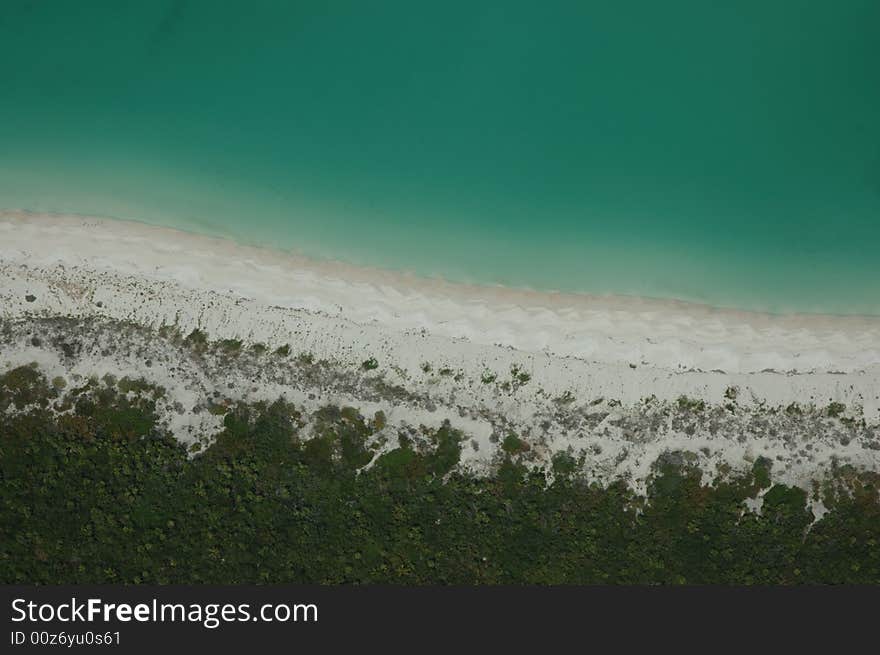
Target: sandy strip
611,329
577,346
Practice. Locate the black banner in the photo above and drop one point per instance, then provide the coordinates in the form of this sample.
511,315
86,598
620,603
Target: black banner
386,619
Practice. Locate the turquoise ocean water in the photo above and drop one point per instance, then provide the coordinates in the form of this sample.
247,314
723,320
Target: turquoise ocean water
727,153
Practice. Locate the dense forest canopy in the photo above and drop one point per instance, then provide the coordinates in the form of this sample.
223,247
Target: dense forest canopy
94,490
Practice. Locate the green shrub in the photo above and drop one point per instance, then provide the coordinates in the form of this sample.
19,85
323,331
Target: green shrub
835,409
197,340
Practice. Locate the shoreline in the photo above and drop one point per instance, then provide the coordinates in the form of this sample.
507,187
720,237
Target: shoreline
619,382
506,294
666,333
156,276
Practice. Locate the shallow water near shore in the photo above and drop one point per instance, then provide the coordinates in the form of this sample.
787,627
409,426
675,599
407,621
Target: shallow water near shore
727,156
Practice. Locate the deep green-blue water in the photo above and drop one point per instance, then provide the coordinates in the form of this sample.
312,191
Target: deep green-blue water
722,152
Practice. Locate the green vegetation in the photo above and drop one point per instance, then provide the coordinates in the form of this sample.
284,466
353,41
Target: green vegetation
217,409
836,409
761,472
197,340
513,445
24,386
520,377
128,385
691,404
564,464
229,346
102,494
794,409
370,364
283,351
565,399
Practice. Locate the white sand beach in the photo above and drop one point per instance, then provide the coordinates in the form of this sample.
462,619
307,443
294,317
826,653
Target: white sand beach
589,350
